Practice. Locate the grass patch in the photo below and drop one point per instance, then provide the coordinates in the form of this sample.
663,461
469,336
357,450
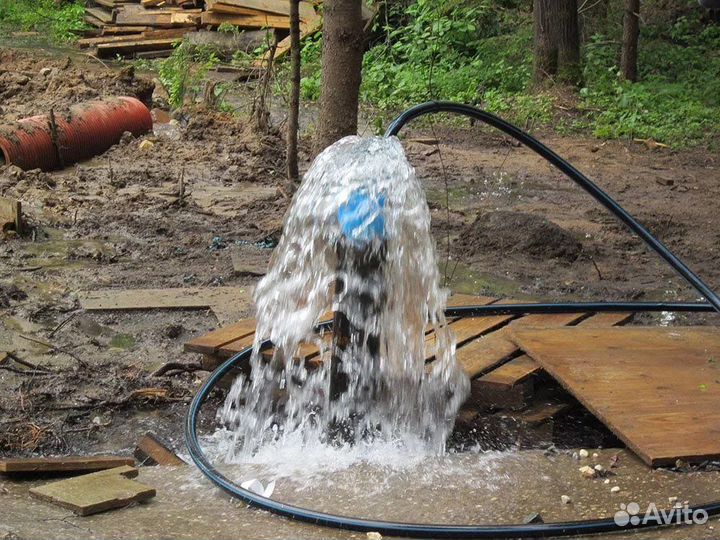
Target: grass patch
58,22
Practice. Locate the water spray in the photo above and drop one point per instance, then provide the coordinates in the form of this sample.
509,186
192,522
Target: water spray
361,244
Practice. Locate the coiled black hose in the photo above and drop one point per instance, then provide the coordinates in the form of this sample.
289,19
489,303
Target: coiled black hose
418,530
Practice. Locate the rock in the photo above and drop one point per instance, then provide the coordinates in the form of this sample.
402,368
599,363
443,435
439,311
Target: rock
576,456
126,138
606,481
374,535
588,472
672,500
565,499
614,489
595,455
44,72
599,468
583,453
146,145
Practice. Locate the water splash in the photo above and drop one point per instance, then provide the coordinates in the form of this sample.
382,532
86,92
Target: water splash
356,241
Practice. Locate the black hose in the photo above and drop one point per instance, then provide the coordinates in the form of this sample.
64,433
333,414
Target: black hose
584,182
419,530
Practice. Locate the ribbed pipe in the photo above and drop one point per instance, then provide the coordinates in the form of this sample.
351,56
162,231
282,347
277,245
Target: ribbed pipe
88,129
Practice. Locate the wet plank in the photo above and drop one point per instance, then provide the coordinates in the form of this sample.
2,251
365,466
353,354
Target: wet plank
214,341
484,353
519,369
655,388
96,492
65,464
152,451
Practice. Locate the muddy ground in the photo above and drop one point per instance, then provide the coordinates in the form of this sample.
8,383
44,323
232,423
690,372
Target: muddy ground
515,228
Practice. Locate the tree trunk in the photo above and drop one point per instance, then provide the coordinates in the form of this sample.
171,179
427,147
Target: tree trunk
294,113
557,41
631,35
342,54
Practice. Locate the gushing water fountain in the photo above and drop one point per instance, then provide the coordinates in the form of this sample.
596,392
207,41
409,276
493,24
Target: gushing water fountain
357,242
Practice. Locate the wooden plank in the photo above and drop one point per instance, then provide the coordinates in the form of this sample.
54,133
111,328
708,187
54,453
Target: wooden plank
152,451
482,354
134,15
265,20
97,492
115,30
149,34
518,369
655,388
465,329
101,14
62,464
607,319
277,7
511,373
10,215
127,47
185,297
306,29
212,342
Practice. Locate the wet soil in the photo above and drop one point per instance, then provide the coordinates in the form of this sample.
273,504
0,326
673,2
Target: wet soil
514,227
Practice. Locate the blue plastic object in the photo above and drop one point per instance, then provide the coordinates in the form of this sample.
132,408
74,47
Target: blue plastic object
361,217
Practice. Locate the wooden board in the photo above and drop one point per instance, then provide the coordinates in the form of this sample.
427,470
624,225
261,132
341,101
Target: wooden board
212,342
481,355
655,388
283,48
127,47
511,373
62,464
100,14
264,20
152,451
278,7
185,297
135,15
519,369
96,492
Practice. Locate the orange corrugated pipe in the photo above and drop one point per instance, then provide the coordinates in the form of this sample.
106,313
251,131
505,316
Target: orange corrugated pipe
88,129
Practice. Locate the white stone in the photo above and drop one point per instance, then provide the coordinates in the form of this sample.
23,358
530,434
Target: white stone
614,489
583,453
565,499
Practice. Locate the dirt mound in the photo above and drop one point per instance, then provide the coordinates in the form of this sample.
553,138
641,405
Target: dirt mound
517,232
34,86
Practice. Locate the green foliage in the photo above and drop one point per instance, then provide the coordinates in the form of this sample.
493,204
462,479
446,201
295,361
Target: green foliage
461,51
676,101
184,70
59,22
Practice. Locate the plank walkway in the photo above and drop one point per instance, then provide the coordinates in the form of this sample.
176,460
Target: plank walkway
658,389
485,348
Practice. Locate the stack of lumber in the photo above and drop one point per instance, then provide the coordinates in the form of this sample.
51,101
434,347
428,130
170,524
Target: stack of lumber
151,27
139,27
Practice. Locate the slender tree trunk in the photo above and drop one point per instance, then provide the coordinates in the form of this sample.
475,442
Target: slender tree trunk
546,54
342,54
631,36
294,113
557,41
